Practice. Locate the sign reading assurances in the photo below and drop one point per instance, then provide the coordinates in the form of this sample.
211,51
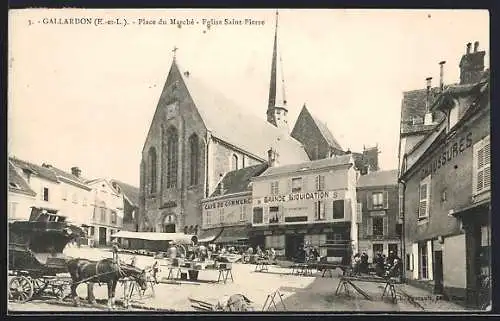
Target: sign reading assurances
293,197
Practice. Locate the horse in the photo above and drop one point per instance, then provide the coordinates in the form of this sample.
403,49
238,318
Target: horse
104,271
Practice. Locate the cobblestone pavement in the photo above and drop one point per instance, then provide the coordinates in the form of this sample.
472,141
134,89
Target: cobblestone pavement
299,293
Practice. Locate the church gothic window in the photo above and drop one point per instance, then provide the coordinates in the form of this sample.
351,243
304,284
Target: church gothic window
172,157
194,159
234,165
152,169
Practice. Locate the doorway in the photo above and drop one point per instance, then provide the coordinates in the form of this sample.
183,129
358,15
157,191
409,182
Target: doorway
292,244
169,228
438,272
102,236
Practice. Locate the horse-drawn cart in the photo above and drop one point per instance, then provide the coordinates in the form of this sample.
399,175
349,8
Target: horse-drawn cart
37,266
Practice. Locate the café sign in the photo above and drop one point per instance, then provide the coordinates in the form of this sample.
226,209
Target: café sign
227,203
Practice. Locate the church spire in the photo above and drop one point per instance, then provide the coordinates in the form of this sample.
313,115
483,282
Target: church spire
276,108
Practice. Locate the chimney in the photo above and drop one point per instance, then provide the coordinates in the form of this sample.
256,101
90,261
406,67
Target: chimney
472,65
76,171
186,73
428,114
46,165
441,75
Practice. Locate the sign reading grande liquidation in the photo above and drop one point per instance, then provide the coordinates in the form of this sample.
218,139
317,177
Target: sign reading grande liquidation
227,203
452,149
301,196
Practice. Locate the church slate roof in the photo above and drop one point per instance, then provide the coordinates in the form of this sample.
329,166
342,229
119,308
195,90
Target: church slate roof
378,178
227,122
317,164
17,184
239,180
327,134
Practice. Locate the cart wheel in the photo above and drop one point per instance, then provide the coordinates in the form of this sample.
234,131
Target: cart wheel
20,289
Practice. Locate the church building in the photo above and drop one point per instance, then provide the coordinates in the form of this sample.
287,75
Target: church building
196,137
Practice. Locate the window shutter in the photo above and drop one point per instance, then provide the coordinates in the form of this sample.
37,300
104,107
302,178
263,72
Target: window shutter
318,183
386,226
486,163
386,200
322,211
369,224
266,215
475,168
315,210
369,201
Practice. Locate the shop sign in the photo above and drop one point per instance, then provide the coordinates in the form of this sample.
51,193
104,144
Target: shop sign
447,154
377,213
227,203
268,233
319,195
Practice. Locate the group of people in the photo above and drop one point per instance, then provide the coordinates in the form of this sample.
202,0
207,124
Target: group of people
385,266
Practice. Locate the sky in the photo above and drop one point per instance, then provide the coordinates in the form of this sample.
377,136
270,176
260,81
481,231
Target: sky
84,95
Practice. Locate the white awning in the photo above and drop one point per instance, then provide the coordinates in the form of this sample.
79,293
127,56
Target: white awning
152,236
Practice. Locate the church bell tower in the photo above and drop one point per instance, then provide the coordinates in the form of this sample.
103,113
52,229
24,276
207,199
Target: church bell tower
277,112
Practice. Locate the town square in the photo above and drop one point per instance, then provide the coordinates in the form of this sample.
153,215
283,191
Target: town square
243,160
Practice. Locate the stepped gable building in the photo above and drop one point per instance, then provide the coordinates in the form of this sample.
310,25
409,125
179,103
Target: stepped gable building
196,136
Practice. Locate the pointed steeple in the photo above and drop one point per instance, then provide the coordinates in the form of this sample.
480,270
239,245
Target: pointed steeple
276,109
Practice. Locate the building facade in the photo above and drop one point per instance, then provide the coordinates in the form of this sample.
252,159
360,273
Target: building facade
107,213
446,183
227,213
378,218
20,196
313,202
59,193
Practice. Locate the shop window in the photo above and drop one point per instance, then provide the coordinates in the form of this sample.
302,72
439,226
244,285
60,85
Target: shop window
338,209
258,215
296,185
320,183
424,196
319,210
276,242
481,166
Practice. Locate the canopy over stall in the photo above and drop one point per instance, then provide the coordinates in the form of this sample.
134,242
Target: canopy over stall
152,240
